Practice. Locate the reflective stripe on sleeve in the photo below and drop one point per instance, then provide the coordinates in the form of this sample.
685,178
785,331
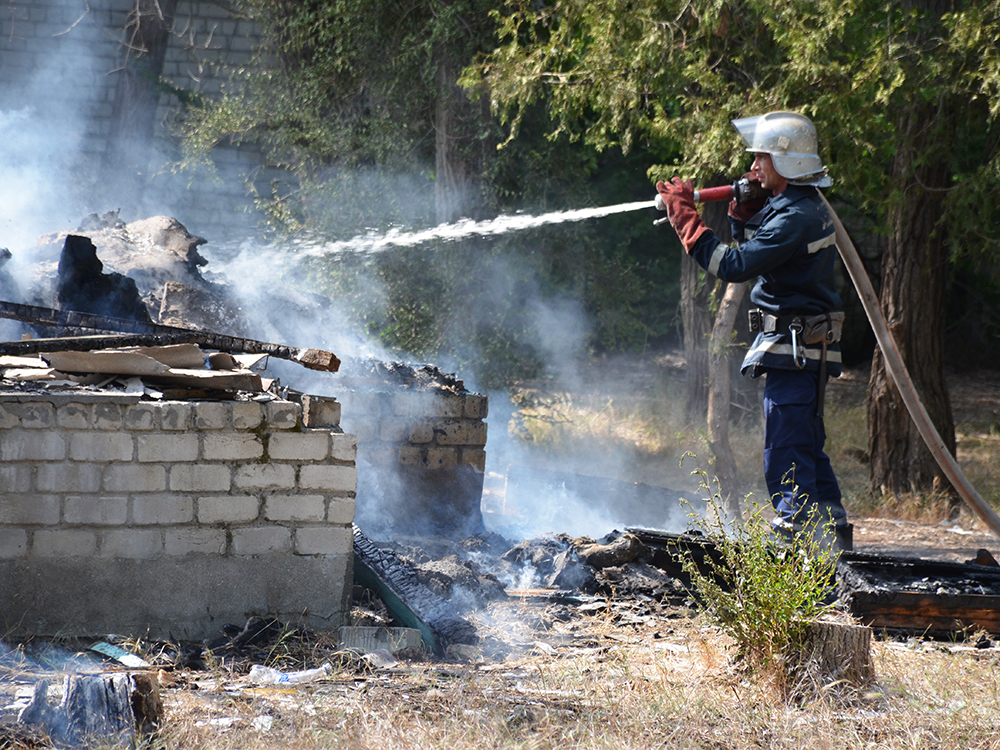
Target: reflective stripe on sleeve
815,247
716,259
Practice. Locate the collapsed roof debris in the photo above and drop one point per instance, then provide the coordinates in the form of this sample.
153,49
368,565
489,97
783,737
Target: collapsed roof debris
161,355
157,255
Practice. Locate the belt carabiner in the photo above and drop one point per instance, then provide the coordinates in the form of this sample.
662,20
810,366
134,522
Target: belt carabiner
798,353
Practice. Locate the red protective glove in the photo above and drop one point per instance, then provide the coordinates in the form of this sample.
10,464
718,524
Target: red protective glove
678,197
743,212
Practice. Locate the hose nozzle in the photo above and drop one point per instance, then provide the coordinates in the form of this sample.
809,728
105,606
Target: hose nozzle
741,191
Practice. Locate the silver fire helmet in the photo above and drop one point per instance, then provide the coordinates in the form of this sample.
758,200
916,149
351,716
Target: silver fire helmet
790,139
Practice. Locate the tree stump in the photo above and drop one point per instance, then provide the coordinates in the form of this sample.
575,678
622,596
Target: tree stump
111,710
833,652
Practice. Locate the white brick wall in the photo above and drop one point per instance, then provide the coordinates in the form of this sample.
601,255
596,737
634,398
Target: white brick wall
130,480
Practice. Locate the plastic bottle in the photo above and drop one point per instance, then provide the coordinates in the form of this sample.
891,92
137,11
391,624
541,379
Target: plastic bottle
271,676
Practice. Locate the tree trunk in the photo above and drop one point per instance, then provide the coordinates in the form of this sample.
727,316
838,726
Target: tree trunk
133,117
697,288
696,320
914,276
458,149
720,398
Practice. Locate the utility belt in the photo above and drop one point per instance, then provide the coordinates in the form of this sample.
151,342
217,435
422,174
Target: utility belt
824,329
812,329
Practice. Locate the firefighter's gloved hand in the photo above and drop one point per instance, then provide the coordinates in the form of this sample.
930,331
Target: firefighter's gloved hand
743,212
678,198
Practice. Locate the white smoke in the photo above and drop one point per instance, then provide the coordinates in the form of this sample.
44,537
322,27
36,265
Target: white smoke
44,135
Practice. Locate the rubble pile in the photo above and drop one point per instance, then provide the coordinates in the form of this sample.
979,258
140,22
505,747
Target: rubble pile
483,568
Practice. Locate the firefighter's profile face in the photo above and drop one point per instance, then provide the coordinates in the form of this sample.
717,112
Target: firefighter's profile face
766,173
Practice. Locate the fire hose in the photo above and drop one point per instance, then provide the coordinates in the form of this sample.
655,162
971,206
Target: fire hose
893,359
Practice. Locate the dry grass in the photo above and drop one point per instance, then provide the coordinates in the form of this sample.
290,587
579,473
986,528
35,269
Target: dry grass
593,682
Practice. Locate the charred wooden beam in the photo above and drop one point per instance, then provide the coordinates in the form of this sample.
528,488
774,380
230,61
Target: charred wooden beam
412,603
137,333
938,597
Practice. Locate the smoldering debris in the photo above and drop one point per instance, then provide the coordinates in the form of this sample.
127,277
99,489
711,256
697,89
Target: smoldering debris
555,566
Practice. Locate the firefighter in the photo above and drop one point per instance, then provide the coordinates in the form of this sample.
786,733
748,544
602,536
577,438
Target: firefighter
786,242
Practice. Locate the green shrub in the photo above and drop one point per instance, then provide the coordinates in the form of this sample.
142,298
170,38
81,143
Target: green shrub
761,593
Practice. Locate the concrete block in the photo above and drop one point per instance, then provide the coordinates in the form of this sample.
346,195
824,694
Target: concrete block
476,406
368,639
35,415
302,446
442,458
295,508
394,429
413,404
106,417
328,477
411,455
130,544
167,448
175,416
27,510
63,543
228,509
281,415
8,419
101,446
32,445
247,415
341,512
464,432
162,509
73,416
15,478
13,543
363,406
265,476
324,540
261,540
185,541
320,412
211,415
121,477
95,510
344,447
200,478
474,457
141,417
228,446
421,433
446,405
365,431
68,477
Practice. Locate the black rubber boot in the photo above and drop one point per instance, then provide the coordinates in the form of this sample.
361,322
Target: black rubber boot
845,538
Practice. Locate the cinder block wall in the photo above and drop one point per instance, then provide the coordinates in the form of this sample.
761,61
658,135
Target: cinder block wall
173,518
421,456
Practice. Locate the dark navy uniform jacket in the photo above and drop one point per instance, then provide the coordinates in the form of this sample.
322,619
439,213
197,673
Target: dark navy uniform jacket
790,247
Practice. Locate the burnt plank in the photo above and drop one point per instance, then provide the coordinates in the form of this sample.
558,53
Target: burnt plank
410,601
138,333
